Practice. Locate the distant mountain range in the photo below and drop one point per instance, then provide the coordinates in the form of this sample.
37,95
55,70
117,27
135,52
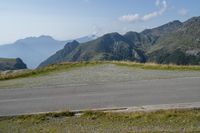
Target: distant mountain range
11,64
34,50
172,43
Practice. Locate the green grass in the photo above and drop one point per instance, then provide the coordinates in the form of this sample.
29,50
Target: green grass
46,70
154,66
67,66
182,120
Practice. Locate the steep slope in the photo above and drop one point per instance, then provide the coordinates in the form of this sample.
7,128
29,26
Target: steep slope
141,41
179,47
11,64
61,55
111,46
108,47
147,38
163,29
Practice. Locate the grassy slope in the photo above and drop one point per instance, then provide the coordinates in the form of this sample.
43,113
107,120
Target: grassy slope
155,66
187,120
67,66
46,70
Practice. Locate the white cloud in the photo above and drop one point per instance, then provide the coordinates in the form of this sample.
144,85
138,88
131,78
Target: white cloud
162,5
130,18
149,16
183,12
154,14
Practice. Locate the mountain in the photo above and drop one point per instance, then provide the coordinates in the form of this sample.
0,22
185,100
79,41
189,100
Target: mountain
34,50
111,46
171,43
147,38
60,56
179,47
164,29
11,64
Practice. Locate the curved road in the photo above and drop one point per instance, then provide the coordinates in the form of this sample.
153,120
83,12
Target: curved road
100,95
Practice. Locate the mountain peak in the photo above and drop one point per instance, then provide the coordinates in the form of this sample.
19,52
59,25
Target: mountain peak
112,34
175,22
45,37
131,33
164,29
33,39
74,42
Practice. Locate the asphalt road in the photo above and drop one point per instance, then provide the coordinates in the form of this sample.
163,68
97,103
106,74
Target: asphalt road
100,95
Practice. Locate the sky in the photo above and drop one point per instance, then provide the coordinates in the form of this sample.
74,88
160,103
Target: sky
69,19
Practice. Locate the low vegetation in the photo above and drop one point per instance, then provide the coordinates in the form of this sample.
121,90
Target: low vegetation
182,120
67,66
155,66
46,70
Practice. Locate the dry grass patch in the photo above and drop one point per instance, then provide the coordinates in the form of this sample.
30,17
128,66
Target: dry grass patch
182,120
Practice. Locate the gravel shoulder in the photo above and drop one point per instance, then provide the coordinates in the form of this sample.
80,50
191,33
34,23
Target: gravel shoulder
97,74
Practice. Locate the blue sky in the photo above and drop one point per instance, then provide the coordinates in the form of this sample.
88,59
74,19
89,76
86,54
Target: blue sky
68,19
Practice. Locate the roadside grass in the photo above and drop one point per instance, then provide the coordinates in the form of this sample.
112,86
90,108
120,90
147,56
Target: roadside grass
36,118
177,120
71,65
46,70
155,66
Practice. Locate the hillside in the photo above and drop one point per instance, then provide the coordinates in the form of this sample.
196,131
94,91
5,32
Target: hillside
11,64
179,47
147,38
34,50
61,55
111,46
171,43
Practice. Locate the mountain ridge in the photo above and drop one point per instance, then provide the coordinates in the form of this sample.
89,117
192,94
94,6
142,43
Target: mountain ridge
34,50
171,43
179,47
